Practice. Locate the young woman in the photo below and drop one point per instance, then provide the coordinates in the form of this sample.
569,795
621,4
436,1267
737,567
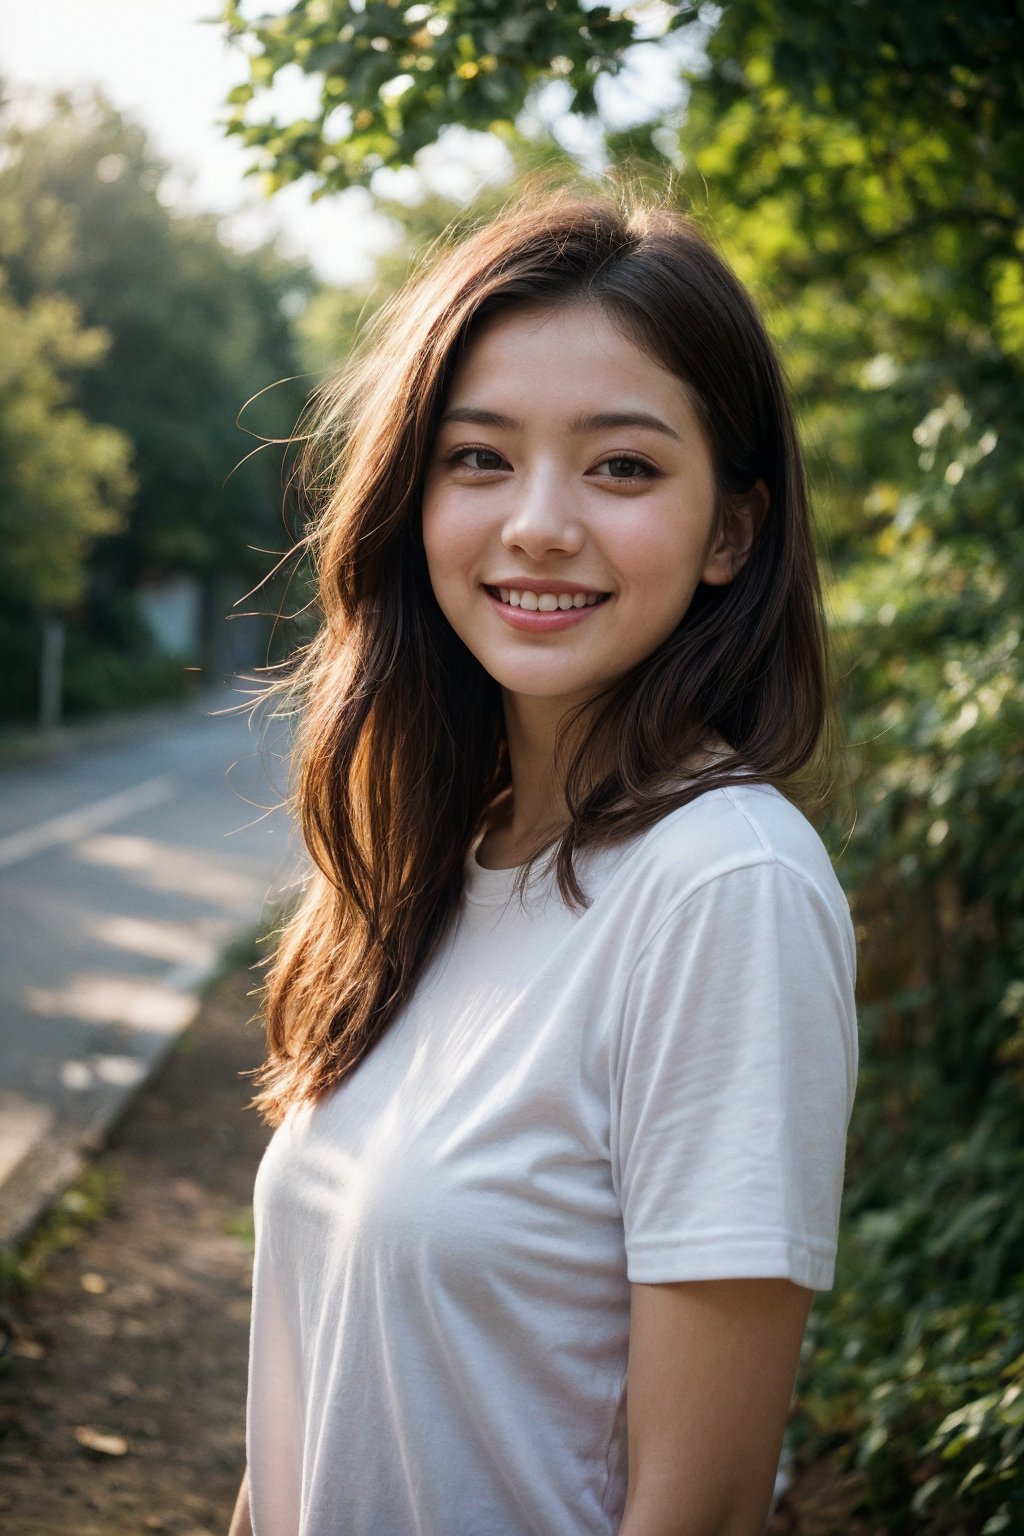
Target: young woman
561,1039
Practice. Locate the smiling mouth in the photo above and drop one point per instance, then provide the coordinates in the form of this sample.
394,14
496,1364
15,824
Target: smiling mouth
547,602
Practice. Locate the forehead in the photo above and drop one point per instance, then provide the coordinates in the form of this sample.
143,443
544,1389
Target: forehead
561,351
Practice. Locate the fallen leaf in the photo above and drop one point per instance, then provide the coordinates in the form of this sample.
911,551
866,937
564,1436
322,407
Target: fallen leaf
28,1349
103,1445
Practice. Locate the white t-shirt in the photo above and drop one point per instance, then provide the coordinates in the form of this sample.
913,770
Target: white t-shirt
656,1088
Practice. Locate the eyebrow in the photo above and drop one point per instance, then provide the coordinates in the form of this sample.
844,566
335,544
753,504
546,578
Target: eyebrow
474,416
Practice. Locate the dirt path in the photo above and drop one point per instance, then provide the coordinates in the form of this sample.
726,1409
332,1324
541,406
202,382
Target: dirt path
139,1332
134,1340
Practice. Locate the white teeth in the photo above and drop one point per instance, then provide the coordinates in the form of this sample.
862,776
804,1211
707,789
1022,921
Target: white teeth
546,602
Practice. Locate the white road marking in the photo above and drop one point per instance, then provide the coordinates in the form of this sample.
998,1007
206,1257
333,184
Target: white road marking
75,825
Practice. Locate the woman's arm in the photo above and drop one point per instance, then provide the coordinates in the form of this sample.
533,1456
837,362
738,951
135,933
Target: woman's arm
711,1370
241,1525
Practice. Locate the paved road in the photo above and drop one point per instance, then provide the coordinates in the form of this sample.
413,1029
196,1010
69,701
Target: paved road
124,869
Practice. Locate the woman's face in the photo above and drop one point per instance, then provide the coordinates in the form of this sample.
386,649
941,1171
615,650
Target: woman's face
569,504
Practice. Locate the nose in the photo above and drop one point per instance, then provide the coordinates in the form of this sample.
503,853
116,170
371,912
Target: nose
542,518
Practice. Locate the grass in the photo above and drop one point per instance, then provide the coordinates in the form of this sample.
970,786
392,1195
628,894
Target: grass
242,1226
78,1209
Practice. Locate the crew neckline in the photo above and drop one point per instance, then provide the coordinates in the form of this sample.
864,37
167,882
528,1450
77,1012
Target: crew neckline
497,885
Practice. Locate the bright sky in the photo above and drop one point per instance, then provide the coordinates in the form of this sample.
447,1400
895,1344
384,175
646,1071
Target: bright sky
161,61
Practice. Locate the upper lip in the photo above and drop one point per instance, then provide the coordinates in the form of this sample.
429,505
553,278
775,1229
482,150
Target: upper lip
556,588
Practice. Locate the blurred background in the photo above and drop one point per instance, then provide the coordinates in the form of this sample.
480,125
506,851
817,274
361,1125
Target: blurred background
199,206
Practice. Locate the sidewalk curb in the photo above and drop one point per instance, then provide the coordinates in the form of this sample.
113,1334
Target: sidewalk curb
54,1162
24,745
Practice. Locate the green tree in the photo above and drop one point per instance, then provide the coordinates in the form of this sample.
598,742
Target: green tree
195,330
391,78
337,317
64,481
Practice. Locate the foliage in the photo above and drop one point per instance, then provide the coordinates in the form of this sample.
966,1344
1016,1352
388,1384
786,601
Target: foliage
64,480
196,329
918,1354
104,672
134,337
78,1209
336,318
390,78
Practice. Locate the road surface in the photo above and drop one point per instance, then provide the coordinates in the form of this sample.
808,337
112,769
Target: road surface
125,868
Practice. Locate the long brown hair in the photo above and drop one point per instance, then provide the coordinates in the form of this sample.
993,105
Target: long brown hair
401,752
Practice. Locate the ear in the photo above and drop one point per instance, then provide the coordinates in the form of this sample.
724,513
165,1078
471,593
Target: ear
740,525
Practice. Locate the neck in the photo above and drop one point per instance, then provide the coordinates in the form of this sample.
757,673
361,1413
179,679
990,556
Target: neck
538,791
535,812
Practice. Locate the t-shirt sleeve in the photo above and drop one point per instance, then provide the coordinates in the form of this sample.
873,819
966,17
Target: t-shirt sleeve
732,1083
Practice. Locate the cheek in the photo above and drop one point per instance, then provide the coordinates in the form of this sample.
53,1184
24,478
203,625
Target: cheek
434,532
661,558
454,529
447,541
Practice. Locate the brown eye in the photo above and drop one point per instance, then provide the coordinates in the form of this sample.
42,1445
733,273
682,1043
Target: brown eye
480,458
622,468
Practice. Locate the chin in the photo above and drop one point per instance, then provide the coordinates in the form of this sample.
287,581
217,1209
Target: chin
568,691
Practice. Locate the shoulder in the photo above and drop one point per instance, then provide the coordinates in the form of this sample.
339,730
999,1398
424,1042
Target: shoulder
735,922
726,847
742,826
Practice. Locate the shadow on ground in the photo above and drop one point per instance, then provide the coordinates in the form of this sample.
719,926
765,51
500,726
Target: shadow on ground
122,1399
